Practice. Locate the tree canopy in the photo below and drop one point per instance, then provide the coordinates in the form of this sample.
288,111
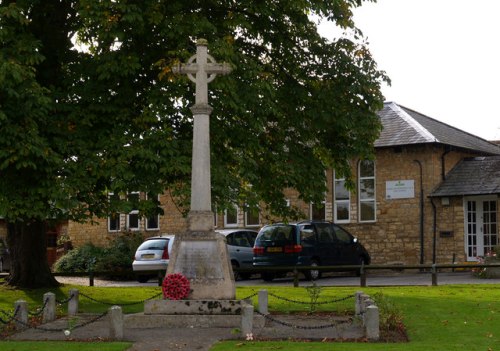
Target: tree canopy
89,105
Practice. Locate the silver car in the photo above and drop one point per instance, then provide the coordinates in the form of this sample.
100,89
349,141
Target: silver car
239,245
152,256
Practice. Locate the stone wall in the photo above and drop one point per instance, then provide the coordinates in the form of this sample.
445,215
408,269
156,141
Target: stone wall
395,235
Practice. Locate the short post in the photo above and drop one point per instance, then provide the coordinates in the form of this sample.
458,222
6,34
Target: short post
263,301
161,276
372,323
115,323
247,319
295,277
434,275
21,314
49,307
91,271
362,275
357,305
74,297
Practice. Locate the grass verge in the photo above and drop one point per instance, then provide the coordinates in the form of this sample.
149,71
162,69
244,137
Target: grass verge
452,318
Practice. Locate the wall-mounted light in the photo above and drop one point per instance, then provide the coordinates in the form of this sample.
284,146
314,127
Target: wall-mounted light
445,201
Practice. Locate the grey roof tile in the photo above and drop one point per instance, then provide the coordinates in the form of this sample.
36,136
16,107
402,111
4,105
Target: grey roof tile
403,126
472,176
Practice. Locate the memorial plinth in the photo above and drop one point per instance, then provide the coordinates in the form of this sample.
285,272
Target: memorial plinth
202,257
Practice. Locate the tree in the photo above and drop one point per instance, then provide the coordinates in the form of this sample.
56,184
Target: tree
106,115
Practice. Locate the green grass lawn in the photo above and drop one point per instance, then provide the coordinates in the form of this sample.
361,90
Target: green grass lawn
458,317
450,318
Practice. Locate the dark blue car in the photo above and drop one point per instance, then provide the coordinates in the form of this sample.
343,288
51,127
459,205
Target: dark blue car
307,243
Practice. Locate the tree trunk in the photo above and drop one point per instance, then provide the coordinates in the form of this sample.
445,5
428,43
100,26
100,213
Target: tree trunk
27,244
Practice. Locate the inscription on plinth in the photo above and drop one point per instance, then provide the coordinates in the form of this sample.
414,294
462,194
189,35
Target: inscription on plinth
199,259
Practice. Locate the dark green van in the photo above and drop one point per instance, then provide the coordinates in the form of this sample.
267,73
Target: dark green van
307,243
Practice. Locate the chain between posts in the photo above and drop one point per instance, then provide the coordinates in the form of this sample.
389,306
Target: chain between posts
27,325
10,318
311,327
124,304
308,303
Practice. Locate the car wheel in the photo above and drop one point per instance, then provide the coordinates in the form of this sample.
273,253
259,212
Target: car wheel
268,276
142,278
313,274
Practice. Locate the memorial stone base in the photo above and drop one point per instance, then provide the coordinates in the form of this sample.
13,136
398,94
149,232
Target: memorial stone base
194,314
202,257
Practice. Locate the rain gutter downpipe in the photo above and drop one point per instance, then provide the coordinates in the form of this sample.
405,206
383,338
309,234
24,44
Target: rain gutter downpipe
421,212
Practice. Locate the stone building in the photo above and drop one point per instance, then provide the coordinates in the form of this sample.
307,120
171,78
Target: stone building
430,195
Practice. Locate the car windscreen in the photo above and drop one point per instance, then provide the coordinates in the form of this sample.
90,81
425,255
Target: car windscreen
153,244
280,234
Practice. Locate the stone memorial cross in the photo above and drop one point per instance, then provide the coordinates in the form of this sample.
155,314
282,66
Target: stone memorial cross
200,254
201,69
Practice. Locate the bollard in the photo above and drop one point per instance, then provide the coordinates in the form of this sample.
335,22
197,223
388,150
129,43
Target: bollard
434,275
362,275
247,319
263,301
21,316
372,320
357,304
115,323
295,278
49,309
73,302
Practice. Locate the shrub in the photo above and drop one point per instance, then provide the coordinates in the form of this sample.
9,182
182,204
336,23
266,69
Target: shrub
77,260
391,317
116,258
119,255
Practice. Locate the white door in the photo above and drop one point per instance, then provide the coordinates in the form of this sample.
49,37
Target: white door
481,230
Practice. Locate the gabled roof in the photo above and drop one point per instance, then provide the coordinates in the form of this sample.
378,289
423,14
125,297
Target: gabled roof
472,176
403,126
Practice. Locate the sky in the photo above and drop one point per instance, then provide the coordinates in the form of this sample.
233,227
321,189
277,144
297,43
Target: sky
442,56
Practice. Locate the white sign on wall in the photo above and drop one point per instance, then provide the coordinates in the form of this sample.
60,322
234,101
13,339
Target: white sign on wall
400,189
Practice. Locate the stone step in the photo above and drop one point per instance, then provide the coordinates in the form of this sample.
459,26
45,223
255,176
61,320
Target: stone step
189,307
141,320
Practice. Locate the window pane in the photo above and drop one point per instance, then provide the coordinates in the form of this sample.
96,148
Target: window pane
367,189
342,211
152,222
342,235
133,221
366,168
231,216
318,212
114,222
341,193
367,211
252,216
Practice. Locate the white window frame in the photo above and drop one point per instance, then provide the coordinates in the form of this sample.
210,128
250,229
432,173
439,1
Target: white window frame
110,219
157,218
134,212
367,200
231,225
342,201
